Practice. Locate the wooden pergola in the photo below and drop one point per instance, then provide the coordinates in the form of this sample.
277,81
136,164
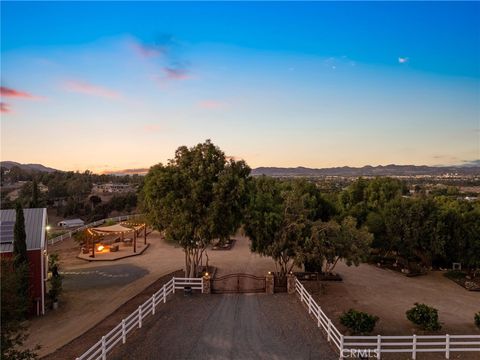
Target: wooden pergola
119,229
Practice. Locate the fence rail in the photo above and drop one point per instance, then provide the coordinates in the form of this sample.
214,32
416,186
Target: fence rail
135,320
349,346
69,234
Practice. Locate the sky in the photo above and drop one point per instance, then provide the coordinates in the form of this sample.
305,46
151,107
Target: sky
107,86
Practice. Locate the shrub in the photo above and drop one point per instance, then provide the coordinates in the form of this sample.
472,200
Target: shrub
477,319
358,322
424,316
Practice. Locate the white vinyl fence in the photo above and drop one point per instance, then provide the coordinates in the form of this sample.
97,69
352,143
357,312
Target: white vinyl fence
375,346
69,234
134,320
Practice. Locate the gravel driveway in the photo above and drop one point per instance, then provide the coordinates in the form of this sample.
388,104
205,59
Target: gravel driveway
228,327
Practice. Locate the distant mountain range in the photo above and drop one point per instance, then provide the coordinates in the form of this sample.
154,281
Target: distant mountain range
27,167
388,170
470,168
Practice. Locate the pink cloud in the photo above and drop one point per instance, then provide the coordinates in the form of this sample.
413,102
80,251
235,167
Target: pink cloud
4,108
147,51
211,104
8,92
90,89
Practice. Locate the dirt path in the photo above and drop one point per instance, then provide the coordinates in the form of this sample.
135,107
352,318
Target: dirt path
228,327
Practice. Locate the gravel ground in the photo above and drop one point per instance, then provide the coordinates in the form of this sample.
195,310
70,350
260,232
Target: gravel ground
101,276
243,326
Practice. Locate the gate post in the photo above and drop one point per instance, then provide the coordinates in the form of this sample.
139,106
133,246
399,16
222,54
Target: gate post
290,284
206,285
269,283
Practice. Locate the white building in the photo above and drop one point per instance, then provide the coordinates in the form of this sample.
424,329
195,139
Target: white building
71,223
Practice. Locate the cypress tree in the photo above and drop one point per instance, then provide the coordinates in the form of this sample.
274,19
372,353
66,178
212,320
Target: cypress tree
34,201
20,237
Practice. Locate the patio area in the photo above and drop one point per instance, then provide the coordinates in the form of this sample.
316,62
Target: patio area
119,241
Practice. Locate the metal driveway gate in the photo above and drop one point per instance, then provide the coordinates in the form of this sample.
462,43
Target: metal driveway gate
238,283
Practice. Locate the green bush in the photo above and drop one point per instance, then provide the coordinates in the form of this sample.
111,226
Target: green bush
424,316
358,322
477,319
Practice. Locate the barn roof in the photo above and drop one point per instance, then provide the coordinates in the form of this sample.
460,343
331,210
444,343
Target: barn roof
35,227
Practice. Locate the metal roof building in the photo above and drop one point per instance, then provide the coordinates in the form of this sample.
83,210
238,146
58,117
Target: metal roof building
35,227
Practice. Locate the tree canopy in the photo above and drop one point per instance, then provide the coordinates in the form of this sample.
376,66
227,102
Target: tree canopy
195,198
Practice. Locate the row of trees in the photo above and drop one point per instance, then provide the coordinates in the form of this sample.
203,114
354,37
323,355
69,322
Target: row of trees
202,195
416,231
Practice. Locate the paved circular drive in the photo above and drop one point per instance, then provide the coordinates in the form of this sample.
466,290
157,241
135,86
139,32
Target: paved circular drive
228,327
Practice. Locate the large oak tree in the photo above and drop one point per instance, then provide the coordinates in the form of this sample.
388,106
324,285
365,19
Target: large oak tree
195,198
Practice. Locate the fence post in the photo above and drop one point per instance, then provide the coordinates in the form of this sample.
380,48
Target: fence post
329,329
104,352
379,344
414,347
153,304
341,347
309,303
140,316
164,294
173,284
124,332
447,346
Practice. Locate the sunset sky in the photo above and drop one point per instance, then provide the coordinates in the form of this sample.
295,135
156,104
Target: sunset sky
108,86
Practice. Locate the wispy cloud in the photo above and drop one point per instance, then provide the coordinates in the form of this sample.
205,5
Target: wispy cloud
12,93
211,104
162,45
165,51
4,107
403,60
83,87
176,73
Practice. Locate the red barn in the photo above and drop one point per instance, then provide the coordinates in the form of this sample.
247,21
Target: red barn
36,229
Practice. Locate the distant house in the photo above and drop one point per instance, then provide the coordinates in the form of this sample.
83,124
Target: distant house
71,223
35,228
113,188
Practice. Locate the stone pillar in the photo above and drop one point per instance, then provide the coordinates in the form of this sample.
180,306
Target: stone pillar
207,289
269,283
291,284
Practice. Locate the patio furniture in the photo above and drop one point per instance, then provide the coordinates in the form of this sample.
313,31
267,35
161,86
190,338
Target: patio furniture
114,248
127,242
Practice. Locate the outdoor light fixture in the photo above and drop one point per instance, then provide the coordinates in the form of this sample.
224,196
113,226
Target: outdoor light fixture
100,247
206,274
48,227
269,273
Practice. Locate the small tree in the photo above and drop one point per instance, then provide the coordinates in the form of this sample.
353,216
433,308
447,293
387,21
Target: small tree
424,316
56,279
13,310
359,323
330,242
95,200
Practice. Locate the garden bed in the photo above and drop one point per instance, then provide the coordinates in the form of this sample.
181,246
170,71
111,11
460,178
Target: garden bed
314,276
471,284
